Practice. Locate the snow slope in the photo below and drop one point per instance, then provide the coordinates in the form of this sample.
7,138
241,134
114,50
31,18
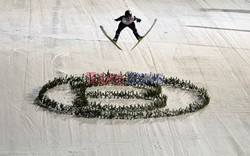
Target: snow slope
206,42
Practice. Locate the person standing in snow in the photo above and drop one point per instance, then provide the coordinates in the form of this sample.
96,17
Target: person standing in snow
127,20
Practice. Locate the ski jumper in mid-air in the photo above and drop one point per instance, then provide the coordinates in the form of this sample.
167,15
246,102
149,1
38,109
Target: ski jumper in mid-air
127,20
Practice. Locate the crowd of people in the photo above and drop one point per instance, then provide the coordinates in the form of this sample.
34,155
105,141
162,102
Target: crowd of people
156,108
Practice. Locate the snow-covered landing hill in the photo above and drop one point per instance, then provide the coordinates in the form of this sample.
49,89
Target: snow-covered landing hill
206,42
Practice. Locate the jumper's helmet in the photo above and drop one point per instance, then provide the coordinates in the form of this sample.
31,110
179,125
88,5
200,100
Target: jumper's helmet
128,13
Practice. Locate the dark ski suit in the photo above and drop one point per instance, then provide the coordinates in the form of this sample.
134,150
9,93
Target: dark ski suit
127,23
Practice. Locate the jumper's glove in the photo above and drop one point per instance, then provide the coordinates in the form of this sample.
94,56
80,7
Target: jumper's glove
116,20
138,20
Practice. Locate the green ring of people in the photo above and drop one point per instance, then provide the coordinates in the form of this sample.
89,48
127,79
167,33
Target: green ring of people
155,106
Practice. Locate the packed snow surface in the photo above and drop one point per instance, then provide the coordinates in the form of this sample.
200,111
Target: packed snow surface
206,42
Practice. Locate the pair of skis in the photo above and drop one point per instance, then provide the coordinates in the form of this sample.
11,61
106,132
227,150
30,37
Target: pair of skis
104,32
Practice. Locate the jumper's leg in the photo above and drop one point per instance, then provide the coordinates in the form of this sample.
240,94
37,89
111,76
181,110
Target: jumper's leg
133,28
121,26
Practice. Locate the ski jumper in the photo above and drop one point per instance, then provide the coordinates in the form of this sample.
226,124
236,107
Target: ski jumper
127,22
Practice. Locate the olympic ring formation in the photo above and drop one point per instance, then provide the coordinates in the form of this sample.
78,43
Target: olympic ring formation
157,108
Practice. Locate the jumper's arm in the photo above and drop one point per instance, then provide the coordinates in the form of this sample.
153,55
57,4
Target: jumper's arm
137,19
119,19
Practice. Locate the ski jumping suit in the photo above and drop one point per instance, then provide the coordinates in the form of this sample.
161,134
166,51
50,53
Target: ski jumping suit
127,23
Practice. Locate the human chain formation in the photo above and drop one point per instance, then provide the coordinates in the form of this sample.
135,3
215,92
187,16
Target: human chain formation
120,95
157,108
116,94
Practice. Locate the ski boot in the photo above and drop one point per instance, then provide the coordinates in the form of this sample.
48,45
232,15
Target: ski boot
114,40
139,37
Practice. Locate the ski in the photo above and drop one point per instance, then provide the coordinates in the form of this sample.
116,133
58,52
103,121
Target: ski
109,37
145,34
